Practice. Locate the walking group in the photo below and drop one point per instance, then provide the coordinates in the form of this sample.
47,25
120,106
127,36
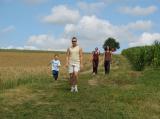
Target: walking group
107,56
74,63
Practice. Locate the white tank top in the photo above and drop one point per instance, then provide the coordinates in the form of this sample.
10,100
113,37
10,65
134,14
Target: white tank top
74,55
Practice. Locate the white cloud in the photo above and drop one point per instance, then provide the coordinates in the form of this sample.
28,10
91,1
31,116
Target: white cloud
88,28
138,11
93,29
7,29
146,39
34,2
92,32
47,42
113,1
20,47
140,25
91,7
62,15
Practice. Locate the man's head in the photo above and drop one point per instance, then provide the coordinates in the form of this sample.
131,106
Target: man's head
74,41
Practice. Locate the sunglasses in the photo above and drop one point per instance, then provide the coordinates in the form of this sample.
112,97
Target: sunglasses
74,41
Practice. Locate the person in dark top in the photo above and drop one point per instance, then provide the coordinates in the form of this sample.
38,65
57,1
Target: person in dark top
107,59
95,60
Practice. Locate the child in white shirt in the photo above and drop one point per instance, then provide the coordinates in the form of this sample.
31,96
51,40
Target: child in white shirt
55,66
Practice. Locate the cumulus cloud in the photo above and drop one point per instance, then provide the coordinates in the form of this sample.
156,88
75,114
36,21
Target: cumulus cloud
140,25
138,11
91,7
91,31
20,47
62,15
113,1
47,42
88,28
146,39
94,29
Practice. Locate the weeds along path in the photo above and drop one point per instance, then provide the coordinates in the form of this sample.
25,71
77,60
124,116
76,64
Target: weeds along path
120,72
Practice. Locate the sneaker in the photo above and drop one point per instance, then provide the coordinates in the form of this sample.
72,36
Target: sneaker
76,89
93,74
72,89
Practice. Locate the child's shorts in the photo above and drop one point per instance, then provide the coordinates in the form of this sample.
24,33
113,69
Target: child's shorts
54,72
74,68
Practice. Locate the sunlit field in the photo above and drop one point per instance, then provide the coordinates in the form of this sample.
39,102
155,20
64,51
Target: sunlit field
28,91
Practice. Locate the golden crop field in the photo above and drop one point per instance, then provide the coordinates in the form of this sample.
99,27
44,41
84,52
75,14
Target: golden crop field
19,64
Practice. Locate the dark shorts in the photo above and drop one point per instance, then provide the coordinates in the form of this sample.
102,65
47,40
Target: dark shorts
54,72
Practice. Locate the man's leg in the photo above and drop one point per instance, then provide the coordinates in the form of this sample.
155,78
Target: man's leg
71,82
75,81
107,66
93,63
96,66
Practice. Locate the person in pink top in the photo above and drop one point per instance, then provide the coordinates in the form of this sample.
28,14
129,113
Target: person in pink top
95,60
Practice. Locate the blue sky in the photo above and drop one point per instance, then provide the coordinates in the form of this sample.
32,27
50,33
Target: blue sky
50,24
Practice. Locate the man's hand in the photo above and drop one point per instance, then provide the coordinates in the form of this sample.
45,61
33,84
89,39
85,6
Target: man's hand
66,65
81,67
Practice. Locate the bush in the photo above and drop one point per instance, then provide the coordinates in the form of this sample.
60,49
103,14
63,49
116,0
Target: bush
136,57
139,57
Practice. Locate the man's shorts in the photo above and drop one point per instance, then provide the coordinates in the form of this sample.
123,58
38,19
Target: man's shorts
74,68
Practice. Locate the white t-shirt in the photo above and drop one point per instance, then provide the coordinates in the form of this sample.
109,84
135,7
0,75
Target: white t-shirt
55,65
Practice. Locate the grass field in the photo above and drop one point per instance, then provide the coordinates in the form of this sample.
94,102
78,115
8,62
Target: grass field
27,90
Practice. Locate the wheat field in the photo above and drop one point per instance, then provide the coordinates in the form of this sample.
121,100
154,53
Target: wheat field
14,65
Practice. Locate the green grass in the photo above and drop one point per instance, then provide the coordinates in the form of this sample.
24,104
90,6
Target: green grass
123,94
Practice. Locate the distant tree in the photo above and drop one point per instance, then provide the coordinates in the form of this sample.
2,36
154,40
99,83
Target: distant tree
111,42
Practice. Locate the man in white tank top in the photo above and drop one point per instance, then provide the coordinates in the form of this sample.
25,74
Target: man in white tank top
74,63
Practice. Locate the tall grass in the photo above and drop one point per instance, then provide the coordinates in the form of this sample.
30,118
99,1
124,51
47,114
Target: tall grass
140,57
22,67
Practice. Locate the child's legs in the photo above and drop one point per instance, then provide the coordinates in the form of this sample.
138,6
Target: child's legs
55,74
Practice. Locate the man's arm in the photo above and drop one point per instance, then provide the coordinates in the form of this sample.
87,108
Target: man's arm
67,57
81,58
